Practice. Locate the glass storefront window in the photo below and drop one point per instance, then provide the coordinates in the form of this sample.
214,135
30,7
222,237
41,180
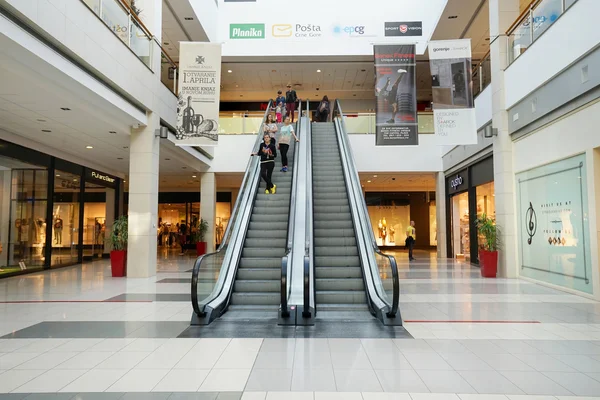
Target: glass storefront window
460,226
95,221
389,224
65,219
485,205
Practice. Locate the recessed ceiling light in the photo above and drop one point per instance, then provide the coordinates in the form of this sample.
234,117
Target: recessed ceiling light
124,181
318,70
57,174
193,176
368,181
41,120
166,43
189,18
167,159
89,147
363,70
453,17
229,71
112,132
125,147
65,108
488,39
46,130
74,179
374,176
119,158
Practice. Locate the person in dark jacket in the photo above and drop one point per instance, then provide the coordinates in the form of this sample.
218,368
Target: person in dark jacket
290,101
322,110
267,153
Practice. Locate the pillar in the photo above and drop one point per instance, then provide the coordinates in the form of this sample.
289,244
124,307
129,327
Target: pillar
143,199
502,14
440,215
208,207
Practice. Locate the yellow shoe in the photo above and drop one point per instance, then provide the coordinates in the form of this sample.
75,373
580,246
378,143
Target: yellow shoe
267,191
274,189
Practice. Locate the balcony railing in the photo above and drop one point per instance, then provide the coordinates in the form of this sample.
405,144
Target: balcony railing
482,75
126,25
532,24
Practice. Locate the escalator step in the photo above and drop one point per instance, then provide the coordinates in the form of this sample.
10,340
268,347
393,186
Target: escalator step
335,251
338,272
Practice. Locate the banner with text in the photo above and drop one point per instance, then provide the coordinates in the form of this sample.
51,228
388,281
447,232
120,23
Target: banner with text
395,89
452,89
199,93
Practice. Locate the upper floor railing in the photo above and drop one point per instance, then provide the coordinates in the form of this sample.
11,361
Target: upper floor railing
482,74
532,23
127,26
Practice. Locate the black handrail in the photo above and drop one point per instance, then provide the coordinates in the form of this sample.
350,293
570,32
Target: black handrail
309,285
228,230
285,290
393,310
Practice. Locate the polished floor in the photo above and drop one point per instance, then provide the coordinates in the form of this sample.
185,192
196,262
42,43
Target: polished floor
77,333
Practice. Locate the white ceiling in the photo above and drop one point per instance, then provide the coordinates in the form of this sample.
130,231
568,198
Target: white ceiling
398,182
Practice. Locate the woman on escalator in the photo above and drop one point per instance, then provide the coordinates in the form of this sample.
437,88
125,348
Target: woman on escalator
285,137
267,153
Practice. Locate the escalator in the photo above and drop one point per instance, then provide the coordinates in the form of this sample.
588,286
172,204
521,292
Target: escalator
244,278
349,278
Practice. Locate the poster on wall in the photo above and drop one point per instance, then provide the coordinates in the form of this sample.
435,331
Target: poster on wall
395,89
199,94
452,90
553,226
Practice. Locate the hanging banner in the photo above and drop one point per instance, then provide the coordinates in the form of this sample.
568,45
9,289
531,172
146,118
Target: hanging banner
199,94
452,89
395,89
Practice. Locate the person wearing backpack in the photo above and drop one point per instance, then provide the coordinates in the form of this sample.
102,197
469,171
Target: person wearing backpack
323,110
290,101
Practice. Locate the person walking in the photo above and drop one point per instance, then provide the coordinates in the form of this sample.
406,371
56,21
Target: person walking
270,127
323,110
280,99
410,240
290,101
285,137
182,237
267,153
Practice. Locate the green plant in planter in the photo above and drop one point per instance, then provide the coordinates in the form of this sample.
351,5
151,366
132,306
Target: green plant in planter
200,231
487,228
118,235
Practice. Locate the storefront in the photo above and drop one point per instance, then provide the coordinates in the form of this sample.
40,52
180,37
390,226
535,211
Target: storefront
391,213
54,213
470,195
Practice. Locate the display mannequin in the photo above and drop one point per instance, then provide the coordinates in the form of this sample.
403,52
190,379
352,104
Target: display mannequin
383,231
58,228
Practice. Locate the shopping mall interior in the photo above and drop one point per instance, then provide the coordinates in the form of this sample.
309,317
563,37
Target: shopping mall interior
430,232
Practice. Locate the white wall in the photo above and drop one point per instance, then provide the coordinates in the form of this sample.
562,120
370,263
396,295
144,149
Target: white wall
232,153
483,107
573,134
207,14
568,39
74,25
370,158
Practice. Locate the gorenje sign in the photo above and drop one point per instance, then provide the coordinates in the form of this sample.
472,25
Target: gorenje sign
247,31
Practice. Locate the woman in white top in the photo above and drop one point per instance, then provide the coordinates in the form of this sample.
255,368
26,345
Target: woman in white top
270,127
287,131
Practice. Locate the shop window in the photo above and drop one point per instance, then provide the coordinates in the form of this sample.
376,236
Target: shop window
461,242
65,218
485,205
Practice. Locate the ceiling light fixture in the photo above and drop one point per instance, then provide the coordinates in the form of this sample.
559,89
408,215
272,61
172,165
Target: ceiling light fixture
193,176
89,147
374,176
318,70
57,174
229,71
112,132
368,181
65,108
189,18
46,130
119,158
453,17
41,120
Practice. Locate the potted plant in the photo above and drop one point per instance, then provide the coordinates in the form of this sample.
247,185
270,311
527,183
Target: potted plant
199,234
488,253
118,241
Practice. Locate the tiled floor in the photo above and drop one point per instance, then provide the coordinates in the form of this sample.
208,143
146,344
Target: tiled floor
76,333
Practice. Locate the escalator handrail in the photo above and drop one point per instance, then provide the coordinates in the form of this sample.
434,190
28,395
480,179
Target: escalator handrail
309,276
250,174
286,259
393,310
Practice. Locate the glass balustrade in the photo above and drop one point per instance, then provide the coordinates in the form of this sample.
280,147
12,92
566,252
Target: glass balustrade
364,123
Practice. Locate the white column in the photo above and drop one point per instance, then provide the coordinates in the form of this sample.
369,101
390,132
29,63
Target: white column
440,215
502,14
143,199
208,207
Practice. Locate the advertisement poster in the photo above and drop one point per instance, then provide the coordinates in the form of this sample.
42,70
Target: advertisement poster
553,226
395,89
452,89
199,93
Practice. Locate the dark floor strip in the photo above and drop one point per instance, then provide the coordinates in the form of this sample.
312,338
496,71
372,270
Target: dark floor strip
175,280
270,329
150,297
124,396
101,329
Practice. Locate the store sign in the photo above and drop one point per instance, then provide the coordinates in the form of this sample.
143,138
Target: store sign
553,226
247,31
199,93
458,183
100,178
452,89
412,28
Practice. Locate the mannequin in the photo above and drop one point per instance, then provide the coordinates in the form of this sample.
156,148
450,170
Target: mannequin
58,228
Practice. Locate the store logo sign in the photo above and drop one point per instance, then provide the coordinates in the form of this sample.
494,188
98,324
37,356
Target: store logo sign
308,30
282,30
102,177
352,31
247,31
531,221
456,182
412,28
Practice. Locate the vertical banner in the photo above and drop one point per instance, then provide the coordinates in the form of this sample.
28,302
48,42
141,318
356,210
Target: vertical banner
395,89
199,94
452,89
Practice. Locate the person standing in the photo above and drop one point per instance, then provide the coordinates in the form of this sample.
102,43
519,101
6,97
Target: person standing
285,137
267,153
290,101
182,237
281,99
270,127
410,240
